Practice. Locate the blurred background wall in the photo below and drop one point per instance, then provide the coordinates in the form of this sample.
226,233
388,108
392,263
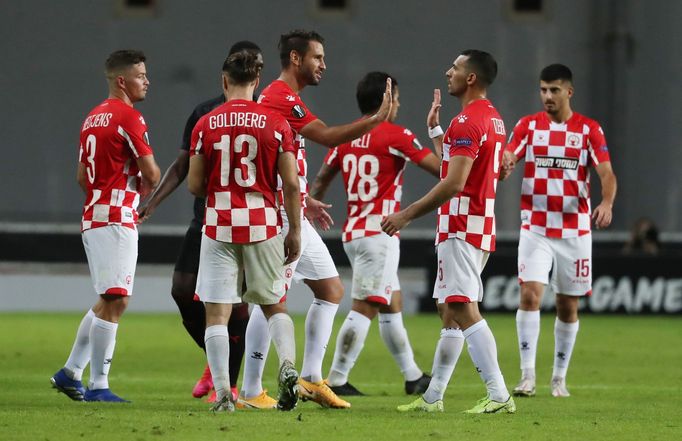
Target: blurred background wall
624,55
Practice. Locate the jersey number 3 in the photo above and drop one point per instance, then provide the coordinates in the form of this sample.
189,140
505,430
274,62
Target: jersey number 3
90,147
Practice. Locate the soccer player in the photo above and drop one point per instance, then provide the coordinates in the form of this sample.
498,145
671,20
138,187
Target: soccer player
559,145
302,59
116,167
237,151
472,151
372,167
187,263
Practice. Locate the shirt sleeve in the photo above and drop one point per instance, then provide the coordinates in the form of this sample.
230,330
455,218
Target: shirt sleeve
407,146
285,137
133,129
196,145
518,139
465,138
291,107
332,158
599,151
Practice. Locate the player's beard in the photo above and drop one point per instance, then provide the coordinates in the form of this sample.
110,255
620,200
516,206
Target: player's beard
310,79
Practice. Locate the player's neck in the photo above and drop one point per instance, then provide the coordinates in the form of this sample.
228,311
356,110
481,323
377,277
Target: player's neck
472,95
290,78
239,93
120,95
562,116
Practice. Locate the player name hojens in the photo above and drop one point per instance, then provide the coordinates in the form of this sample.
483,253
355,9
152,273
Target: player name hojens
97,120
237,119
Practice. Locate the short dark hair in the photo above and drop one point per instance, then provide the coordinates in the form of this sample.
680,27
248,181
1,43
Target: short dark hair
243,67
244,45
482,64
296,40
370,91
555,72
123,59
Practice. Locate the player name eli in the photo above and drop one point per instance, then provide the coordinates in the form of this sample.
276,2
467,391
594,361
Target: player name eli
237,119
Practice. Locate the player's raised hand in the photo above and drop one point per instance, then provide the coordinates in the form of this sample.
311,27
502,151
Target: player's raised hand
393,223
316,212
386,104
433,118
602,215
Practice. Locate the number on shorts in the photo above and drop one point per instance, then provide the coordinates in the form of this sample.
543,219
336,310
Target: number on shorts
582,267
367,186
241,141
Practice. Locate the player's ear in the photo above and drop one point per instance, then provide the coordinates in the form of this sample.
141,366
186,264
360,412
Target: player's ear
225,82
295,58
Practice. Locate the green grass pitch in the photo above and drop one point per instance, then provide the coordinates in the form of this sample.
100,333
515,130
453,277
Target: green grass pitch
625,380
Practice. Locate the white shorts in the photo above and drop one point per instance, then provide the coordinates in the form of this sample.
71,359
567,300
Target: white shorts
459,272
570,261
375,267
112,255
222,266
315,262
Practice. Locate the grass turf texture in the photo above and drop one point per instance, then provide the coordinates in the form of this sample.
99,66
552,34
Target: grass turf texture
625,380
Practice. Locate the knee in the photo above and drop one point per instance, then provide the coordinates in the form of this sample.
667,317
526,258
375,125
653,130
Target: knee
330,290
183,288
531,297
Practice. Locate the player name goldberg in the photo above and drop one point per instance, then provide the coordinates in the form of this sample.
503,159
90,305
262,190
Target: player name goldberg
237,119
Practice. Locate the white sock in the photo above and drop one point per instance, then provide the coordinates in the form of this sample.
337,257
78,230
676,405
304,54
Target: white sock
349,344
483,352
282,333
80,352
448,350
318,329
102,341
256,352
217,343
564,340
528,331
395,338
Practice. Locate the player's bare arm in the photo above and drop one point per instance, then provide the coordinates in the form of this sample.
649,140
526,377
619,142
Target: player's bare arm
196,177
286,167
433,120
81,177
508,163
151,174
317,131
431,164
603,214
458,172
176,173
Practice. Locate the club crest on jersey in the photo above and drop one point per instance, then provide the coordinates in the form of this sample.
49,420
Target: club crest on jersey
142,120
462,119
297,111
573,140
291,98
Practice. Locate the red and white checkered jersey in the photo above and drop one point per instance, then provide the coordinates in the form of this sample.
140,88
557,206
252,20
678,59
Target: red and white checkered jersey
477,132
279,97
240,141
372,167
555,194
112,137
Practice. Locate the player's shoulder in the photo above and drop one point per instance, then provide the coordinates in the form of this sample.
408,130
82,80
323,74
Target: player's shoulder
581,119
395,129
207,106
276,90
